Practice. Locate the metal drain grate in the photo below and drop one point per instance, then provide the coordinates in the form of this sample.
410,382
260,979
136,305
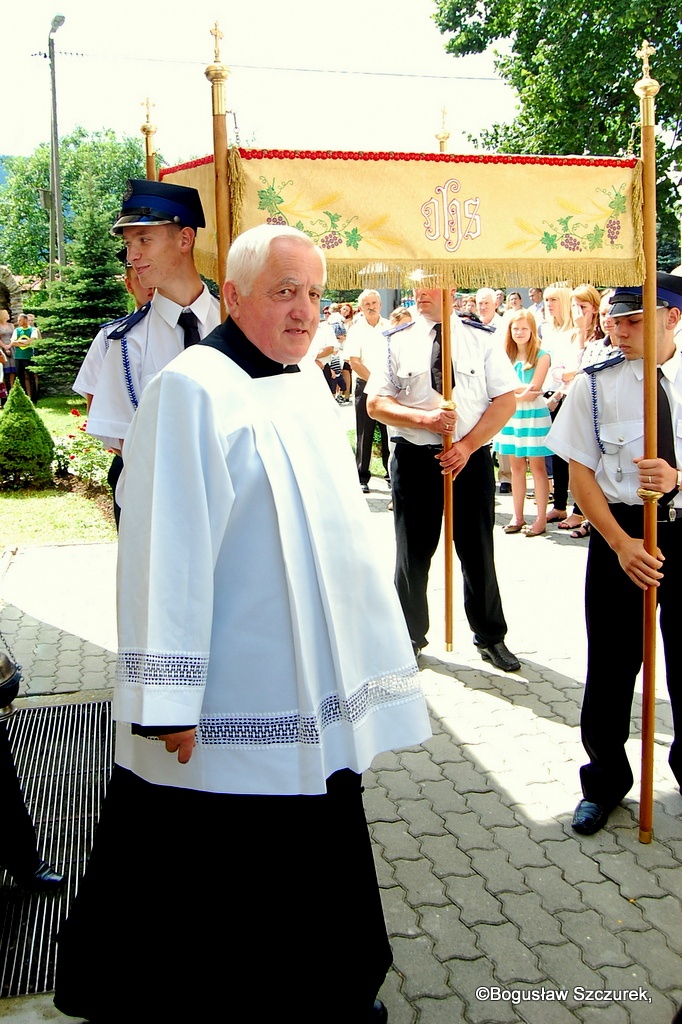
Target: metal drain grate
63,756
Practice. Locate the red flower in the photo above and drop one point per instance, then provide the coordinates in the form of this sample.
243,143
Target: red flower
75,412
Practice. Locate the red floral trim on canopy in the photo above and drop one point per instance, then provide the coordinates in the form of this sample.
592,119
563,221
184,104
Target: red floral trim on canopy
163,171
453,158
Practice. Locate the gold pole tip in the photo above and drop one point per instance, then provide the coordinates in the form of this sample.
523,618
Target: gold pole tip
645,835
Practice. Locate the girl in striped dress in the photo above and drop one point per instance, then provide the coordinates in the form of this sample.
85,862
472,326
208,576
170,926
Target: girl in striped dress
523,438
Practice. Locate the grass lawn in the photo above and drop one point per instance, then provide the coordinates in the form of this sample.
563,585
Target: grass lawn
59,515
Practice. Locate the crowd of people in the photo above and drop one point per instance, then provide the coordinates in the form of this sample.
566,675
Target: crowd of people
555,335
17,347
554,387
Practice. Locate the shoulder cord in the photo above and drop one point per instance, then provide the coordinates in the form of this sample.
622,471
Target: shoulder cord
595,412
391,376
126,372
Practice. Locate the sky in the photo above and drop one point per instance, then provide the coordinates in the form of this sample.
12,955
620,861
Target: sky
356,75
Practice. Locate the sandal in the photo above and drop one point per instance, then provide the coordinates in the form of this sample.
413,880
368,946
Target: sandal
573,522
556,516
514,528
533,531
582,531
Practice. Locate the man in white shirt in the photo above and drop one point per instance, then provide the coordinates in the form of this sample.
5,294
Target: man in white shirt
366,350
406,397
158,223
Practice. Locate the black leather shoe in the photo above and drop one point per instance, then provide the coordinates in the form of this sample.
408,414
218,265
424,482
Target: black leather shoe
589,817
501,657
364,488
44,879
379,1013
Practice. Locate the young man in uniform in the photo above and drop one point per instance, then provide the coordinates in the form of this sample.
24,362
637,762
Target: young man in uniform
601,433
158,223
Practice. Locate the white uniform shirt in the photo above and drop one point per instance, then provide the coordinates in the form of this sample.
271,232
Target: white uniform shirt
149,346
483,371
620,424
88,375
234,606
367,343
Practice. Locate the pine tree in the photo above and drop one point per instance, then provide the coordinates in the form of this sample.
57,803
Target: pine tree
90,293
26,448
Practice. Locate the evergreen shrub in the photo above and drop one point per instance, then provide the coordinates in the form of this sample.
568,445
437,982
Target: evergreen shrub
26,447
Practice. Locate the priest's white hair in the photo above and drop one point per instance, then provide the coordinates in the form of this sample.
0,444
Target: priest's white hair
249,253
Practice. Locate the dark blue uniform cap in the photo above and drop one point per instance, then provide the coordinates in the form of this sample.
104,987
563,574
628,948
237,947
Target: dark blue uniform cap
156,202
627,301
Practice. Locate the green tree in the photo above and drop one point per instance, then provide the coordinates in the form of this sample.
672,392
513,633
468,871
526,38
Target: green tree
84,157
574,68
89,294
26,448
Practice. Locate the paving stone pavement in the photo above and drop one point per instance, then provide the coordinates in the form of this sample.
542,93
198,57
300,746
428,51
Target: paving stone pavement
497,910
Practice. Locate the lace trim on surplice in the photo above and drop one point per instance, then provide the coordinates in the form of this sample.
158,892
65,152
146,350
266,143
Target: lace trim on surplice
161,668
297,728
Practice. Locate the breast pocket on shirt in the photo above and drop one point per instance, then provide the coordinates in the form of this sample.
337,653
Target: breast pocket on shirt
623,442
415,387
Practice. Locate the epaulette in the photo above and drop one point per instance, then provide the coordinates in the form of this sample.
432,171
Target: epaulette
613,360
110,323
129,321
471,320
399,327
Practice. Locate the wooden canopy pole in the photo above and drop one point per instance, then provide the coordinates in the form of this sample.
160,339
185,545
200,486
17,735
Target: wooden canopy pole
149,131
446,376
446,353
217,74
647,88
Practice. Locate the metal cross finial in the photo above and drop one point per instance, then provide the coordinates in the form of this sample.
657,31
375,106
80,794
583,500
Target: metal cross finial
443,112
217,36
647,51
148,105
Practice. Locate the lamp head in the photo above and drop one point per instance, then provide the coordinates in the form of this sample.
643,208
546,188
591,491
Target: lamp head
57,22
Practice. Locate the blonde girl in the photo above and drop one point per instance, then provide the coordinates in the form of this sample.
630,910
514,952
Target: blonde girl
523,438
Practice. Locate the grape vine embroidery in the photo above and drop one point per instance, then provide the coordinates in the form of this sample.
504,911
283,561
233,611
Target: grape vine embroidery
575,236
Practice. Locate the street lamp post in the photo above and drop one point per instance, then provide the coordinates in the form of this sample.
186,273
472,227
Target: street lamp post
56,218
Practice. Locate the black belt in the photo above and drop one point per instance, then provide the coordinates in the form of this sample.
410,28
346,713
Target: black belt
426,447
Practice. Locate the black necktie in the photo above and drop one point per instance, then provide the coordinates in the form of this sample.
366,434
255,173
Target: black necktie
437,362
665,436
189,323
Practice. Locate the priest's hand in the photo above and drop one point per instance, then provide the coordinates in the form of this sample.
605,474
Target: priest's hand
183,742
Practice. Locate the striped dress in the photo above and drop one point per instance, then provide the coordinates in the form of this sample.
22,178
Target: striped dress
525,433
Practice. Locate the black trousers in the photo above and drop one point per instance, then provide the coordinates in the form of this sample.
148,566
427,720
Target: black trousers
418,511
115,470
26,378
560,475
18,849
615,644
364,434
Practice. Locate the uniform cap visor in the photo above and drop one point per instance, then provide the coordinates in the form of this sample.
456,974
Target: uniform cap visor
132,220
